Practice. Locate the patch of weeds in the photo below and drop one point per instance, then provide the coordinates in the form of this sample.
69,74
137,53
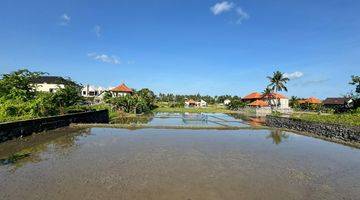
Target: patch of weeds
14,158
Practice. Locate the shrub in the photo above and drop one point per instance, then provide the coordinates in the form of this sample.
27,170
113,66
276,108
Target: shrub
236,104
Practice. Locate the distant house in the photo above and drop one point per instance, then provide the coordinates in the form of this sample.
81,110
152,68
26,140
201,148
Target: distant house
121,90
337,103
258,104
50,83
192,103
203,103
277,100
91,91
311,100
272,99
227,102
252,97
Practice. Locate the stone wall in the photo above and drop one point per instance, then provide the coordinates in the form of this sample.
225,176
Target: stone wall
10,130
337,132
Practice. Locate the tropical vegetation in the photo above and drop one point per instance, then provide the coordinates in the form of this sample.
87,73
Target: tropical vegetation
19,99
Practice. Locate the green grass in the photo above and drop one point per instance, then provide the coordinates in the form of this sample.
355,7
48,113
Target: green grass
210,109
347,119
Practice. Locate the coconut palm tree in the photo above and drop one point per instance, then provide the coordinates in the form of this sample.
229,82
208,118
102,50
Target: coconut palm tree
278,81
294,101
266,93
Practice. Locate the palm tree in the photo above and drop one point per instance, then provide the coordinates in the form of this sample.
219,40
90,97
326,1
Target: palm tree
278,81
355,80
267,92
277,136
294,101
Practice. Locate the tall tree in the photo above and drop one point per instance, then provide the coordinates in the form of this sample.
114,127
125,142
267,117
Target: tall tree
17,85
278,81
355,80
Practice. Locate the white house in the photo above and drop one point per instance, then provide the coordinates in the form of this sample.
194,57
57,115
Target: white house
192,103
50,83
277,100
91,91
203,103
227,101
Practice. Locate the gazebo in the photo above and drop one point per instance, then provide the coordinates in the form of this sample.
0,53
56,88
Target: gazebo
121,90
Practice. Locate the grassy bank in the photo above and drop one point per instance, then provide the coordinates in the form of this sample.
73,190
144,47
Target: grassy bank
347,119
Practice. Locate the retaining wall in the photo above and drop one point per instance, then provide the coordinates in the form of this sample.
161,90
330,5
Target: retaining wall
338,132
10,130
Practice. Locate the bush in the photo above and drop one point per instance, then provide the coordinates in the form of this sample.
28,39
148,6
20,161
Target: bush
236,104
177,104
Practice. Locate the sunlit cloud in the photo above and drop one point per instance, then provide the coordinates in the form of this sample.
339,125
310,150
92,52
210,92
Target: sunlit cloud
294,75
225,6
221,7
64,19
105,58
242,15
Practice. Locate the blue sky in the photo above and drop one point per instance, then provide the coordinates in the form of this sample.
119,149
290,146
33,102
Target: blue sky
186,46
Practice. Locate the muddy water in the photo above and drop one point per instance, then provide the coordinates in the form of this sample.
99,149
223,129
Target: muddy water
104,163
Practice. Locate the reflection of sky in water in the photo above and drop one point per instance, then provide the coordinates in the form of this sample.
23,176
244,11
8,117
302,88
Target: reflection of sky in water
194,119
109,162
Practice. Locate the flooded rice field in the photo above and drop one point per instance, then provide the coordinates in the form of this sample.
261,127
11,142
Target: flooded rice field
107,163
218,120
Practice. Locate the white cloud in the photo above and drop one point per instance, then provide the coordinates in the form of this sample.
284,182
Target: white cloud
65,19
105,58
226,6
242,15
97,30
221,7
294,75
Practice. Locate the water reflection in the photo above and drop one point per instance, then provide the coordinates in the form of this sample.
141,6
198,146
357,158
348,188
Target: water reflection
33,149
139,119
252,120
277,136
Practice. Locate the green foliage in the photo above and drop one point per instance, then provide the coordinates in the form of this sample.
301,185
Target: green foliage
355,80
176,104
131,104
20,101
67,96
181,98
17,85
107,97
276,113
278,81
142,101
294,102
148,96
352,119
236,104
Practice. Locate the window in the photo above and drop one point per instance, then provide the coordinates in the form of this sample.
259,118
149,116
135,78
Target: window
51,90
84,92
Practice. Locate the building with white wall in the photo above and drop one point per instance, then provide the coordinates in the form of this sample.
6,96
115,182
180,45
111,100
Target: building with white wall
50,83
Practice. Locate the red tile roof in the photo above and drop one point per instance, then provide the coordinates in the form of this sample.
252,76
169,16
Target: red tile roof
260,103
190,101
274,96
254,95
122,88
311,100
